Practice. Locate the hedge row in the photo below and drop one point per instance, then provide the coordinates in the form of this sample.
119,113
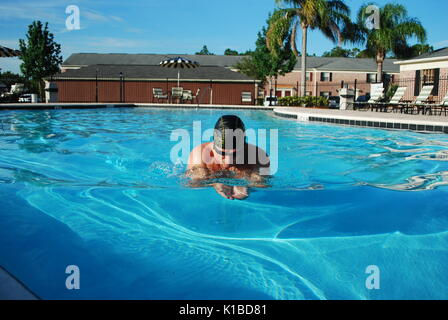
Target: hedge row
307,101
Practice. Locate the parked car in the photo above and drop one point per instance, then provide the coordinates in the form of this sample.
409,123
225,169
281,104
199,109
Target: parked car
334,102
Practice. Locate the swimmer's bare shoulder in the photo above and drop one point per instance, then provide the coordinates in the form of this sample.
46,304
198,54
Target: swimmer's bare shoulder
197,168
262,158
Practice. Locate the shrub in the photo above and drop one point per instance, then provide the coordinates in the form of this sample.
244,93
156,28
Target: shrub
260,101
307,101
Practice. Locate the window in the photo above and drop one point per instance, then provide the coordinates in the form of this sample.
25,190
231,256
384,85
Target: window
309,76
427,77
326,94
287,93
371,77
308,93
326,76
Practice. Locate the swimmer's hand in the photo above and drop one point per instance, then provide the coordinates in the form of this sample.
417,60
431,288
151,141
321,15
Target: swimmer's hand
231,192
240,193
224,191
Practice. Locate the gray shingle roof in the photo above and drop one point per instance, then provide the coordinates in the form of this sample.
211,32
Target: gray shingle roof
154,72
319,63
435,54
86,59
348,64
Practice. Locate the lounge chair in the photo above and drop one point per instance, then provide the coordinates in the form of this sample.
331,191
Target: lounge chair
16,89
187,95
158,94
374,99
421,102
14,94
177,93
443,105
395,102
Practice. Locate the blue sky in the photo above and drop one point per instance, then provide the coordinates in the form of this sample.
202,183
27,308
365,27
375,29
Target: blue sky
176,26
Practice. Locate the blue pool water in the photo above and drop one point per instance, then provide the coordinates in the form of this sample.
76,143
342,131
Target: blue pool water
97,189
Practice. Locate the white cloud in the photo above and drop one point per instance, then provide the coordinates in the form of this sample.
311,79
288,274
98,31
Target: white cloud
52,11
93,16
117,18
109,42
98,17
31,11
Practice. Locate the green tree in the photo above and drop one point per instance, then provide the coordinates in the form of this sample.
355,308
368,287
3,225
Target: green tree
263,63
344,53
331,17
41,55
419,49
339,52
396,28
230,52
205,52
364,54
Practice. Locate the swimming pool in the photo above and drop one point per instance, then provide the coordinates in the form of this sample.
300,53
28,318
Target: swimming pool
97,189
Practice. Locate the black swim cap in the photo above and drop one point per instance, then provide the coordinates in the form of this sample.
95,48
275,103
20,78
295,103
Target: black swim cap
227,124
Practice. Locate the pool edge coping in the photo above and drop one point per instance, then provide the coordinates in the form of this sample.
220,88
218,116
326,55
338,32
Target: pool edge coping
372,121
46,106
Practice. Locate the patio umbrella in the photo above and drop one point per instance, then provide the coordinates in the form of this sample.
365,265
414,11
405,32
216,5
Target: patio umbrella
179,63
8,53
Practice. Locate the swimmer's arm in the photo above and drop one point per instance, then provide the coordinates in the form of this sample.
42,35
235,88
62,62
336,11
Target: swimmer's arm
259,175
198,173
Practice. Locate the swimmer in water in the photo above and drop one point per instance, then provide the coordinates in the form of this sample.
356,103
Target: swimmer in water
229,156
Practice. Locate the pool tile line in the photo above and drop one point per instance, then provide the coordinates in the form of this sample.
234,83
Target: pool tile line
396,124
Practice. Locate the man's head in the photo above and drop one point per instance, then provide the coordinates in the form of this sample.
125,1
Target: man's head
229,136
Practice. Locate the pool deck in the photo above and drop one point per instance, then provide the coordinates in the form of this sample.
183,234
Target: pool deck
45,106
382,120
12,289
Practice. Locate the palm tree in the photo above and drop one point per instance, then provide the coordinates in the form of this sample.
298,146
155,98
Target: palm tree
396,28
331,17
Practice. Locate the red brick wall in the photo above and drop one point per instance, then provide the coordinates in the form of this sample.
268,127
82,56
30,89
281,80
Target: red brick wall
228,93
